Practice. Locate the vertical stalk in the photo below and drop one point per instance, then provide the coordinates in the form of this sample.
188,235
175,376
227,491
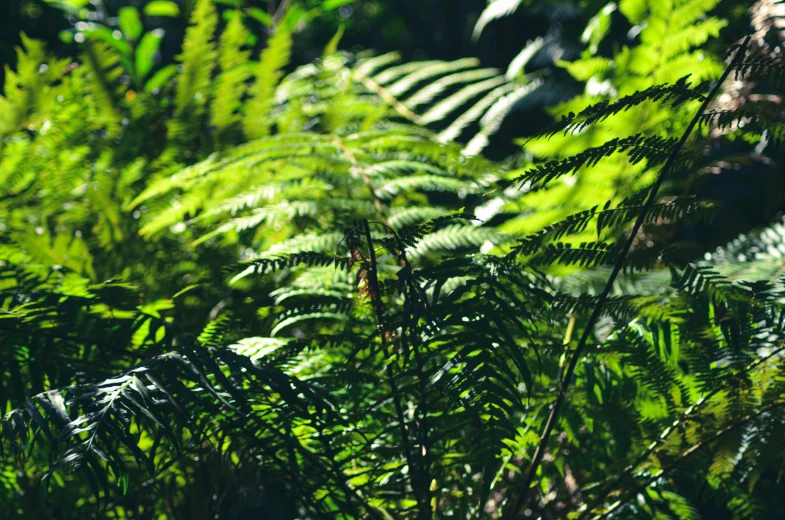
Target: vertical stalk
379,311
545,436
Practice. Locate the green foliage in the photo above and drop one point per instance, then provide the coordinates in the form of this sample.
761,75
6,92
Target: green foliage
295,280
274,58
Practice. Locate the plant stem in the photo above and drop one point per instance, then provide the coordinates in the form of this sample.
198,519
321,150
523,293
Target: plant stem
378,306
587,331
386,96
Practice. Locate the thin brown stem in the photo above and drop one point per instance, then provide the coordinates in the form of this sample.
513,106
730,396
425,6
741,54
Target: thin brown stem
379,310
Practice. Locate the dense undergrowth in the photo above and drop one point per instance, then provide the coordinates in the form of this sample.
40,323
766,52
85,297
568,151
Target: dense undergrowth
233,286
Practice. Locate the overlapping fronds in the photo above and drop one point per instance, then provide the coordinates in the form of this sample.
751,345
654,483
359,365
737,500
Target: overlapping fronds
362,319
449,95
616,114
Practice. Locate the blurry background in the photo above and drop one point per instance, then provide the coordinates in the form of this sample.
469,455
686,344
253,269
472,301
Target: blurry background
422,30
418,29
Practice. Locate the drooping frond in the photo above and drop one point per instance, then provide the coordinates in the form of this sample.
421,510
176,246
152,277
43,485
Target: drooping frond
496,9
446,94
96,428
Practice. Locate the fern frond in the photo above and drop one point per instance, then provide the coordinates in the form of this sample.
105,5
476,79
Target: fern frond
608,218
104,71
426,183
654,150
406,83
198,59
770,68
496,9
455,237
474,113
492,120
454,101
674,94
267,75
230,82
434,89
28,89
163,397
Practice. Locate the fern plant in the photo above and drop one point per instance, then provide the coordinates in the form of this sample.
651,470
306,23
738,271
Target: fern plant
339,312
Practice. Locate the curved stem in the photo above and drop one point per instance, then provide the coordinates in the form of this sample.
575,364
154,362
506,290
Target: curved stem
596,312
